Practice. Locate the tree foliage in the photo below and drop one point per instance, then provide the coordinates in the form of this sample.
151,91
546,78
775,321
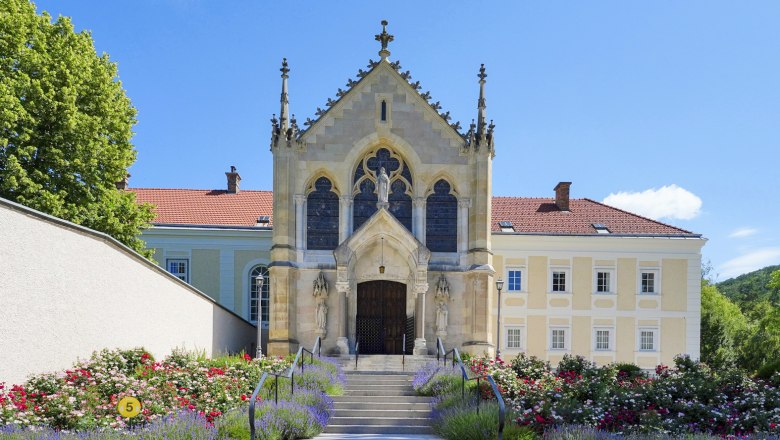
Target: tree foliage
723,328
65,125
753,287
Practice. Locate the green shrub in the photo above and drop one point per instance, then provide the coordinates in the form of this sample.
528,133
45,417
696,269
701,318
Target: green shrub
462,422
627,370
575,364
768,369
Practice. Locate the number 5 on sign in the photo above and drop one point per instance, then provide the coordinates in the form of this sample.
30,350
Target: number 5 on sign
129,407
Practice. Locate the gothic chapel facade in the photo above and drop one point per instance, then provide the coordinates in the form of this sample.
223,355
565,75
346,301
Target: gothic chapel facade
383,229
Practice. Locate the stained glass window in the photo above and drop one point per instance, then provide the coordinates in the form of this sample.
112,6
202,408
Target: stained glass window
441,214
364,205
400,203
399,194
322,217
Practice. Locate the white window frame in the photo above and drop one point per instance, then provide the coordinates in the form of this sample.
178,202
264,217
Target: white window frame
260,299
522,337
656,281
566,336
612,281
567,281
610,339
656,339
522,279
186,275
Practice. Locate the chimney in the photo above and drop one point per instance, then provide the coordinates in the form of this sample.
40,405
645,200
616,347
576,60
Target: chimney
233,179
124,183
562,195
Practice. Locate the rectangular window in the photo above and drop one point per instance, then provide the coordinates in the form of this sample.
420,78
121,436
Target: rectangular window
603,339
179,268
514,337
647,339
515,280
558,339
648,282
603,282
559,281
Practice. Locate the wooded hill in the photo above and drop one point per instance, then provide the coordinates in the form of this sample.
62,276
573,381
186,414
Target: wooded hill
751,287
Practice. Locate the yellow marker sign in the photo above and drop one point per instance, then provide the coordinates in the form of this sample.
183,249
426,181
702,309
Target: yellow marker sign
129,407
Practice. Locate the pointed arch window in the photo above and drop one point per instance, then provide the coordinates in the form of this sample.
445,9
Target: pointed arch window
364,189
322,216
258,297
383,112
441,219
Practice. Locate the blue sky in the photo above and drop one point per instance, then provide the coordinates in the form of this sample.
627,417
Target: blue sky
669,108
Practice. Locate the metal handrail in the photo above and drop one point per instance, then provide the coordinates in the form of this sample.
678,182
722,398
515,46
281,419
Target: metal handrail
290,374
357,352
465,377
403,354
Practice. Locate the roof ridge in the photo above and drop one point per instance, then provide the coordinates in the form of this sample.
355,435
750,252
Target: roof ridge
639,216
198,189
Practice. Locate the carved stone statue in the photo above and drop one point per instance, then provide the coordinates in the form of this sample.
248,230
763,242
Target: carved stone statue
382,186
442,313
441,318
321,296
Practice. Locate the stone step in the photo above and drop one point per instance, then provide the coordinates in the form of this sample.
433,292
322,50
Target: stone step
378,386
385,399
370,380
386,421
383,413
378,429
389,406
379,392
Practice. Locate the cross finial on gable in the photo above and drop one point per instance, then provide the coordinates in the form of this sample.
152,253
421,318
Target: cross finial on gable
285,70
384,38
482,75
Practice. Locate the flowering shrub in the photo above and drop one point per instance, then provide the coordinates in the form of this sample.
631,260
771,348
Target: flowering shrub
579,398
85,396
684,399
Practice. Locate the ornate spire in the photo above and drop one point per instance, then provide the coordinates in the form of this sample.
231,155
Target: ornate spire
481,105
285,111
384,38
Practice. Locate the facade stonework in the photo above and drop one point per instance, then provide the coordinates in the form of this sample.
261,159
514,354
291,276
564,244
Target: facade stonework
388,207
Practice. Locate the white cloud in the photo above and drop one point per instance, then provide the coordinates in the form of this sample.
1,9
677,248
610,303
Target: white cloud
669,201
749,262
743,232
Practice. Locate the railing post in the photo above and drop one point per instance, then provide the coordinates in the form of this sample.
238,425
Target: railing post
478,396
276,389
292,383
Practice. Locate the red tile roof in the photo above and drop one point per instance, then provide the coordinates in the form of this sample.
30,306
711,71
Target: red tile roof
528,215
540,215
207,207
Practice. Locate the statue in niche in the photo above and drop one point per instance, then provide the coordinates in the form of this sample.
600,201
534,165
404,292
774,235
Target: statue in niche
320,297
382,186
441,297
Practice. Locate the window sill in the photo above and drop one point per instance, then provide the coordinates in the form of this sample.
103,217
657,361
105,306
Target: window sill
605,293
559,350
559,293
649,294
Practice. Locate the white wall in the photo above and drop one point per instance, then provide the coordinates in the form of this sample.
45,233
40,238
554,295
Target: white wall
66,291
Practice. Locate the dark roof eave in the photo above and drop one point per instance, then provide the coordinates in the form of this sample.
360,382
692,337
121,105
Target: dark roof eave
574,234
199,226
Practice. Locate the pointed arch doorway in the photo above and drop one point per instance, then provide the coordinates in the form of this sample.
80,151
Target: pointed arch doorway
381,317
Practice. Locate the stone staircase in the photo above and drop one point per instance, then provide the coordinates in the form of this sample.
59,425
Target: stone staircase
379,400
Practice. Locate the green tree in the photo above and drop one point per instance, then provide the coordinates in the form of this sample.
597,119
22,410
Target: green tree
723,328
65,125
763,343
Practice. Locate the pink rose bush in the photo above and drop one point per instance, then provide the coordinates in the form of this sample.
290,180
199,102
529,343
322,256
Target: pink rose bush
685,399
85,396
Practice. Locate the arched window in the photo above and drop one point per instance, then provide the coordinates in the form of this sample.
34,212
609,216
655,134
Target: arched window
322,217
384,111
441,219
258,300
399,197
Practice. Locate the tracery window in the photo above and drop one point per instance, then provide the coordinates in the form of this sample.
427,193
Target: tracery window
364,187
441,219
258,300
322,216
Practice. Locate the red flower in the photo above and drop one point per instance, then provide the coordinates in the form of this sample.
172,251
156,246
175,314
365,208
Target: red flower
243,397
539,418
247,357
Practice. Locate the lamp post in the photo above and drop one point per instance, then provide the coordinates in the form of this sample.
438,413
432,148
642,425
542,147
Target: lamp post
260,280
499,286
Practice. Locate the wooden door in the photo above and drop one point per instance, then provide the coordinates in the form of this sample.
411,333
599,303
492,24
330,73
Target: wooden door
381,317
